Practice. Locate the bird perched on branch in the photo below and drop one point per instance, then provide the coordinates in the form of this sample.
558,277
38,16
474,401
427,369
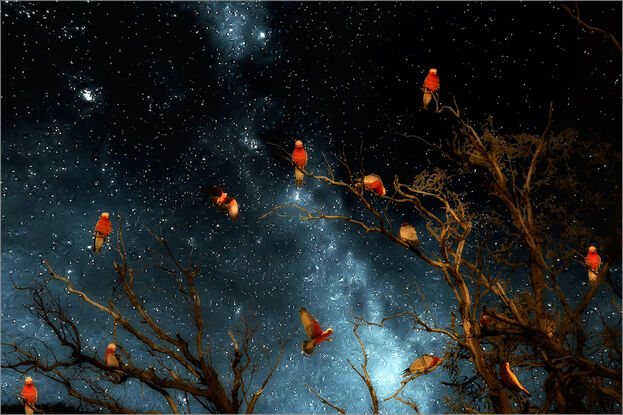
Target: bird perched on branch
222,201
431,85
112,358
485,323
422,364
29,393
409,234
510,380
299,157
593,262
313,330
102,229
373,183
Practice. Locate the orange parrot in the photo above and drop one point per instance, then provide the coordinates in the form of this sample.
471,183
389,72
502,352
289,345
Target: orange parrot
112,358
593,261
510,380
409,234
313,330
222,201
29,393
299,157
422,364
431,85
102,229
373,183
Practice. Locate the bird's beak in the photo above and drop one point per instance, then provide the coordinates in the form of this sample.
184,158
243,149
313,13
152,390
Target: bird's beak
330,340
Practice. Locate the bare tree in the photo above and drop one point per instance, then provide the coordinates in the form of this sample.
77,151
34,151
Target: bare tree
536,213
175,367
362,372
575,14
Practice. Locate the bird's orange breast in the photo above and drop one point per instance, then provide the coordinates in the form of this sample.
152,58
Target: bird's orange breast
299,156
30,393
593,260
103,226
431,82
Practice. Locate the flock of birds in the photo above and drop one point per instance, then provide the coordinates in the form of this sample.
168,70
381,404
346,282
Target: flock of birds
372,183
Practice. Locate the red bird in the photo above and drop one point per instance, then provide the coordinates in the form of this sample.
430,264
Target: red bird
409,234
102,229
593,261
431,85
313,330
222,201
373,183
29,393
299,157
422,364
112,358
510,380
484,322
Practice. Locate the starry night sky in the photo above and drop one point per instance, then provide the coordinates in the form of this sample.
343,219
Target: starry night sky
131,107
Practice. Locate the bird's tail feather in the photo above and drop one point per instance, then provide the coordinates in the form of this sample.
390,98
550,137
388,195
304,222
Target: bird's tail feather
97,244
299,177
426,100
406,372
308,346
592,278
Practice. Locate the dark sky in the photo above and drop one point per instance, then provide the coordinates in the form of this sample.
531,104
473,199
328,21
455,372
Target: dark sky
130,107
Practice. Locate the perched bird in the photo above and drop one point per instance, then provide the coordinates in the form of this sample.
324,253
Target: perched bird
431,85
593,261
313,330
299,157
102,229
422,364
29,393
222,201
510,380
373,183
484,322
408,234
112,358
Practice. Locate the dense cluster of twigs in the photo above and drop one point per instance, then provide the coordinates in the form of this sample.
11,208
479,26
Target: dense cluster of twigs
177,368
534,231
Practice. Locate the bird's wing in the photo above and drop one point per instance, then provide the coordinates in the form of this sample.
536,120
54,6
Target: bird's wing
513,379
212,191
312,328
419,364
598,262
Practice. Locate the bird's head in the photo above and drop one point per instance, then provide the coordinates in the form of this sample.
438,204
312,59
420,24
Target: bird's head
405,224
28,380
592,250
507,366
433,71
105,215
298,144
111,347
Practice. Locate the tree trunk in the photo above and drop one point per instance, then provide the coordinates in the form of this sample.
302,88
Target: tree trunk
536,279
